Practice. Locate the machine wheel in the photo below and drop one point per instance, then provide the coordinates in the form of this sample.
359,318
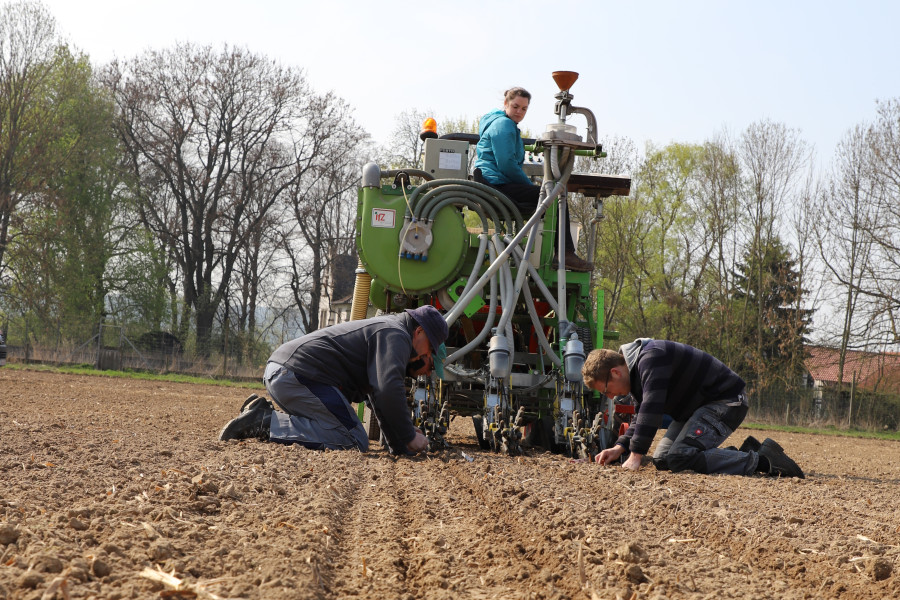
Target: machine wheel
545,438
370,424
478,422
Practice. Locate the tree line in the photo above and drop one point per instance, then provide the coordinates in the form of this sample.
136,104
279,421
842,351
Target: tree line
190,189
207,192
739,246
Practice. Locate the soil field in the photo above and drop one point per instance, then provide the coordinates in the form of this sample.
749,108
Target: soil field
113,488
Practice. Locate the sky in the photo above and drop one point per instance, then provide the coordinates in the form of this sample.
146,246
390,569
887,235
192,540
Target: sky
652,71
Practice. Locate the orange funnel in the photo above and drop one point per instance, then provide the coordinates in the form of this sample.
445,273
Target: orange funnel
565,79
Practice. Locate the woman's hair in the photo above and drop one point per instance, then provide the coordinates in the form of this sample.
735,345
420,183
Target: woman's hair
512,93
598,364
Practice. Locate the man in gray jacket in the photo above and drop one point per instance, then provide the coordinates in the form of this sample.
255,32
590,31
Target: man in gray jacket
314,378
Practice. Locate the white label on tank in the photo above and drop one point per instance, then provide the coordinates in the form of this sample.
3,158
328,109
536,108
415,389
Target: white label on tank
383,217
450,160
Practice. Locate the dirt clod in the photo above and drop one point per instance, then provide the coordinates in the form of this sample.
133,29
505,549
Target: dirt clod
8,534
632,553
635,574
46,563
100,567
30,580
880,568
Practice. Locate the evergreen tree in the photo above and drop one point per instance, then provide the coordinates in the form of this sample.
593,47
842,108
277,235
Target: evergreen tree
774,338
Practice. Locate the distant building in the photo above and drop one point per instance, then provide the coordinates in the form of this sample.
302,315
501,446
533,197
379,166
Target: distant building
868,371
337,290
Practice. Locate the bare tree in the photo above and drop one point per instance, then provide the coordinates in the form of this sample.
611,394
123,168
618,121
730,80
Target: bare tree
772,157
882,285
255,283
404,149
208,132
322,204
720,187
846,210
809,284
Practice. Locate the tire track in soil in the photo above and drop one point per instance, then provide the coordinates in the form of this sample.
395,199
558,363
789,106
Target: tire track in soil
524,539
437,536
370,532
473,546
576,522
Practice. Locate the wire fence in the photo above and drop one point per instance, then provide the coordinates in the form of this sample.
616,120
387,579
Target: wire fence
114,347
825,407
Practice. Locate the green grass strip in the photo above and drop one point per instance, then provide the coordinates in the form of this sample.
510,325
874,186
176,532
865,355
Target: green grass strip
830,430
170,377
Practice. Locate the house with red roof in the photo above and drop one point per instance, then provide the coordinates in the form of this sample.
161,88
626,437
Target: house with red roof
869,371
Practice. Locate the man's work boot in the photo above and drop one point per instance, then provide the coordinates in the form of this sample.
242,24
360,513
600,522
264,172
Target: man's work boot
573,263
751,443
247,402
253,422
780,464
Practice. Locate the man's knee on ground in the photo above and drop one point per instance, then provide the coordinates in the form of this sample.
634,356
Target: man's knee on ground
685,457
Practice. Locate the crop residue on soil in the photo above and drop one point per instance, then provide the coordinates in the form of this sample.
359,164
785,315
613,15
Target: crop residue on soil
117,488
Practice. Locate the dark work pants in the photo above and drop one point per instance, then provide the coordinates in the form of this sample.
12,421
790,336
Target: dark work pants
694,444
525,197
315,415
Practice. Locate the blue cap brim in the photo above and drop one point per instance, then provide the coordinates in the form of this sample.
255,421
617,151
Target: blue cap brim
438,357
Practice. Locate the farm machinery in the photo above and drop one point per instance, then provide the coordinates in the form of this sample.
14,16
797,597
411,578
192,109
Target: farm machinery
520,325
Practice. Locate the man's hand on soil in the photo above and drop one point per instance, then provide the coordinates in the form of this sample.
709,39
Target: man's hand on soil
418,443
633,463
609,455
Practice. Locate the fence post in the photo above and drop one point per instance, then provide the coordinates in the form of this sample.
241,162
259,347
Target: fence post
225,352
99,345
852,394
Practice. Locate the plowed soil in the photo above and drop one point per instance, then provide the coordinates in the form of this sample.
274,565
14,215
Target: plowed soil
113,488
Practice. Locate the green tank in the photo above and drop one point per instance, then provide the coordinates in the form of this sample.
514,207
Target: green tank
380,222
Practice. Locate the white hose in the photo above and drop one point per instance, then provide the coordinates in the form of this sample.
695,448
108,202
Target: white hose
457,309
508,300
482,248
520,280
545,291
535,318
554,162
488,323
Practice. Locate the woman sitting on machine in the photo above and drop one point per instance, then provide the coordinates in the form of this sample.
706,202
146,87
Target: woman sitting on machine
500,155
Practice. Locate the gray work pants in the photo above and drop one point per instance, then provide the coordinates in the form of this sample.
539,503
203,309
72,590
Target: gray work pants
315,415
693,444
